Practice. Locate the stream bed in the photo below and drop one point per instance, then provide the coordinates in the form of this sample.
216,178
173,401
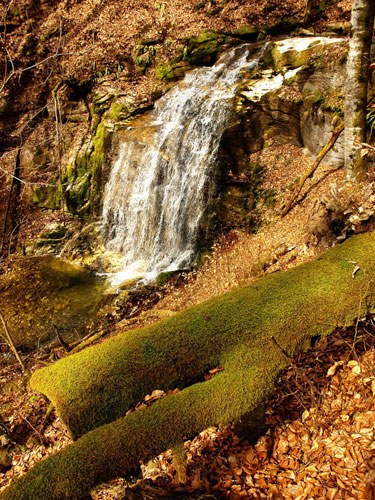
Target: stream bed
39,293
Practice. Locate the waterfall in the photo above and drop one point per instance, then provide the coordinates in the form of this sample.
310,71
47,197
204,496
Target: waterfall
159,186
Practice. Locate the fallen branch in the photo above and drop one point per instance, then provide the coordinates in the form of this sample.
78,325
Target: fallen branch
311,171
45,420
15,179
61,341
9,340
89,341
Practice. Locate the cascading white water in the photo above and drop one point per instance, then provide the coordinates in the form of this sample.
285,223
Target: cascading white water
160,184
157,190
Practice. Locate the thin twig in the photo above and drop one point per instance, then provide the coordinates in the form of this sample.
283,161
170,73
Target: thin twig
35,430
62,342
281,348
11,344
298,369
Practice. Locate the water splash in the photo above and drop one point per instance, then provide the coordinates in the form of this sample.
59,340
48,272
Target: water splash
159,186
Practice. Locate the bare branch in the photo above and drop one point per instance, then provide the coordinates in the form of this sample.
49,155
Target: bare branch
11,344
52,56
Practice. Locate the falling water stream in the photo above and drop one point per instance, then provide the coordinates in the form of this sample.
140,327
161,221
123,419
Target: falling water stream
162,181
158,188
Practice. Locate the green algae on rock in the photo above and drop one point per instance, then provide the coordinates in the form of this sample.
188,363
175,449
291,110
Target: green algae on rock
235,331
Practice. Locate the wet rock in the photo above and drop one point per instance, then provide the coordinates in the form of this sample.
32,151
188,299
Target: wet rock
289,54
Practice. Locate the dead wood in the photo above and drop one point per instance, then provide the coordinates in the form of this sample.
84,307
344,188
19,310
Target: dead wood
9,341
9,201
61,341
310,172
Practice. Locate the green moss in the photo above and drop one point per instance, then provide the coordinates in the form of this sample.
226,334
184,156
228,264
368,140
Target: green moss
119,111
203,48
78,193
256,310
250,33
328,100
233,331
172,70
196,51
47,197
311,56
165,277
84,175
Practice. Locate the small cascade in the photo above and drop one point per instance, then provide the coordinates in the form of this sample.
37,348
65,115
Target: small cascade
160,184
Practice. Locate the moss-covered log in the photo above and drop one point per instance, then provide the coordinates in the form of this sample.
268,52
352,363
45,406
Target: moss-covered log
233,331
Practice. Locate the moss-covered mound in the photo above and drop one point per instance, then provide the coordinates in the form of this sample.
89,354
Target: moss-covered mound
240,331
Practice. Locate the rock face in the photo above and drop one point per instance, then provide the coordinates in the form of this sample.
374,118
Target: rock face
294,95
323,103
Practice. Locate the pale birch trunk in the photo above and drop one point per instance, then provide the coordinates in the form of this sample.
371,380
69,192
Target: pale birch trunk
356,86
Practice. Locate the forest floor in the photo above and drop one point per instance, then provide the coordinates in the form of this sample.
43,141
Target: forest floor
320,441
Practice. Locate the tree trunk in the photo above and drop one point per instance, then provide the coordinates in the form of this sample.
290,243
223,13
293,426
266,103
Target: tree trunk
356,86
307,13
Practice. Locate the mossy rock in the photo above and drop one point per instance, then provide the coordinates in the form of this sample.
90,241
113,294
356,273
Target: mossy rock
84,174
285,25
53,231
119,111
240,331
172,70
285,57
203,49
47,197
199,50
339,28
250,33
166,277
78,193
